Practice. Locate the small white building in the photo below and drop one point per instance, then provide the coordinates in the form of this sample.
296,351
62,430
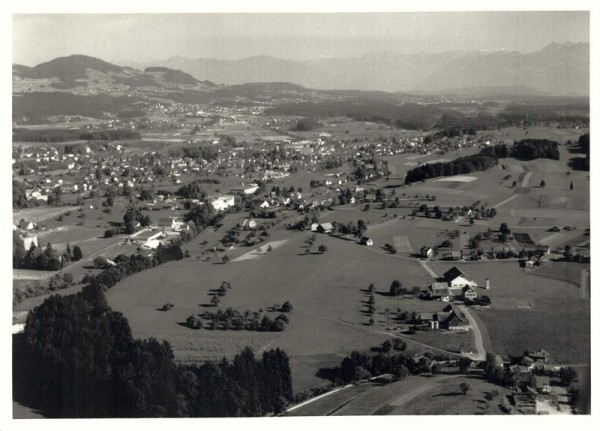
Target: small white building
223,202
28,240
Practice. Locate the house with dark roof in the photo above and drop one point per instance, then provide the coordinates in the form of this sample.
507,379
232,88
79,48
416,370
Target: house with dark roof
457,278
449,318
540,355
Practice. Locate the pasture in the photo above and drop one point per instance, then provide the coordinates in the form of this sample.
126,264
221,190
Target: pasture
444,398
328,320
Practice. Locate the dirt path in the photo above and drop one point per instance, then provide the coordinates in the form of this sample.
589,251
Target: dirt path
426,267
480,356
505,201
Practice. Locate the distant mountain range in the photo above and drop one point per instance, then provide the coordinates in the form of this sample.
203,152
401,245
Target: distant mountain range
559,69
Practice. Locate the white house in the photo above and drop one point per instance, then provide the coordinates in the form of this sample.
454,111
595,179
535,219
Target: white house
265,204
456,278
250,189
366,241
223,202
28,240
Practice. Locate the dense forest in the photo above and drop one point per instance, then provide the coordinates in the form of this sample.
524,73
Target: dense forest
77,358
460,166
531,149
527,149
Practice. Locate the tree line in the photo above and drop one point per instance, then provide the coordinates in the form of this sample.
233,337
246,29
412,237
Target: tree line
128,265
400,363
61,135
77,358
526,149
460,166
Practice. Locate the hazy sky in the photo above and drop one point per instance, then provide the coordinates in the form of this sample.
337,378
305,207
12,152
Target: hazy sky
139,38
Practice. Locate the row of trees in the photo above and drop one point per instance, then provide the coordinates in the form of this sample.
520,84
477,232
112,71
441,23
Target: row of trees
356,230
460,166
77,358
359,365
41,259
128,265
232,319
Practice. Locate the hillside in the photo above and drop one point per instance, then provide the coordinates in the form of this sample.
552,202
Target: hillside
95,76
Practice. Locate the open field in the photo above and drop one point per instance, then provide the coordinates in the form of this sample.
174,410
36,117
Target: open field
444,398
563,330
324,289
533,311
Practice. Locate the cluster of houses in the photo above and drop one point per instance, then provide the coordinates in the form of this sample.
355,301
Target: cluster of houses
455,284
538,387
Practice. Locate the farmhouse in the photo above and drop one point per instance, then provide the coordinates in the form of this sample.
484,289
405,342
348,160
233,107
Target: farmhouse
28,241
325,228
223,202
457,278
449,318
441,291
366,241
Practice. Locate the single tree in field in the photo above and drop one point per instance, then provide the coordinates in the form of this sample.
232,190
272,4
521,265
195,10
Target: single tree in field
542,183
77,254
225,259
215,300
395,288
568,253
386,346
571,186
464,388
371,288
399,345
191,321
322,248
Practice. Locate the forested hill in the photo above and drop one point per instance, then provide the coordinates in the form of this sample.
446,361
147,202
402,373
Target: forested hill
78,359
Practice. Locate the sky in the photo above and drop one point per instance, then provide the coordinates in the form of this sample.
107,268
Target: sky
131,38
